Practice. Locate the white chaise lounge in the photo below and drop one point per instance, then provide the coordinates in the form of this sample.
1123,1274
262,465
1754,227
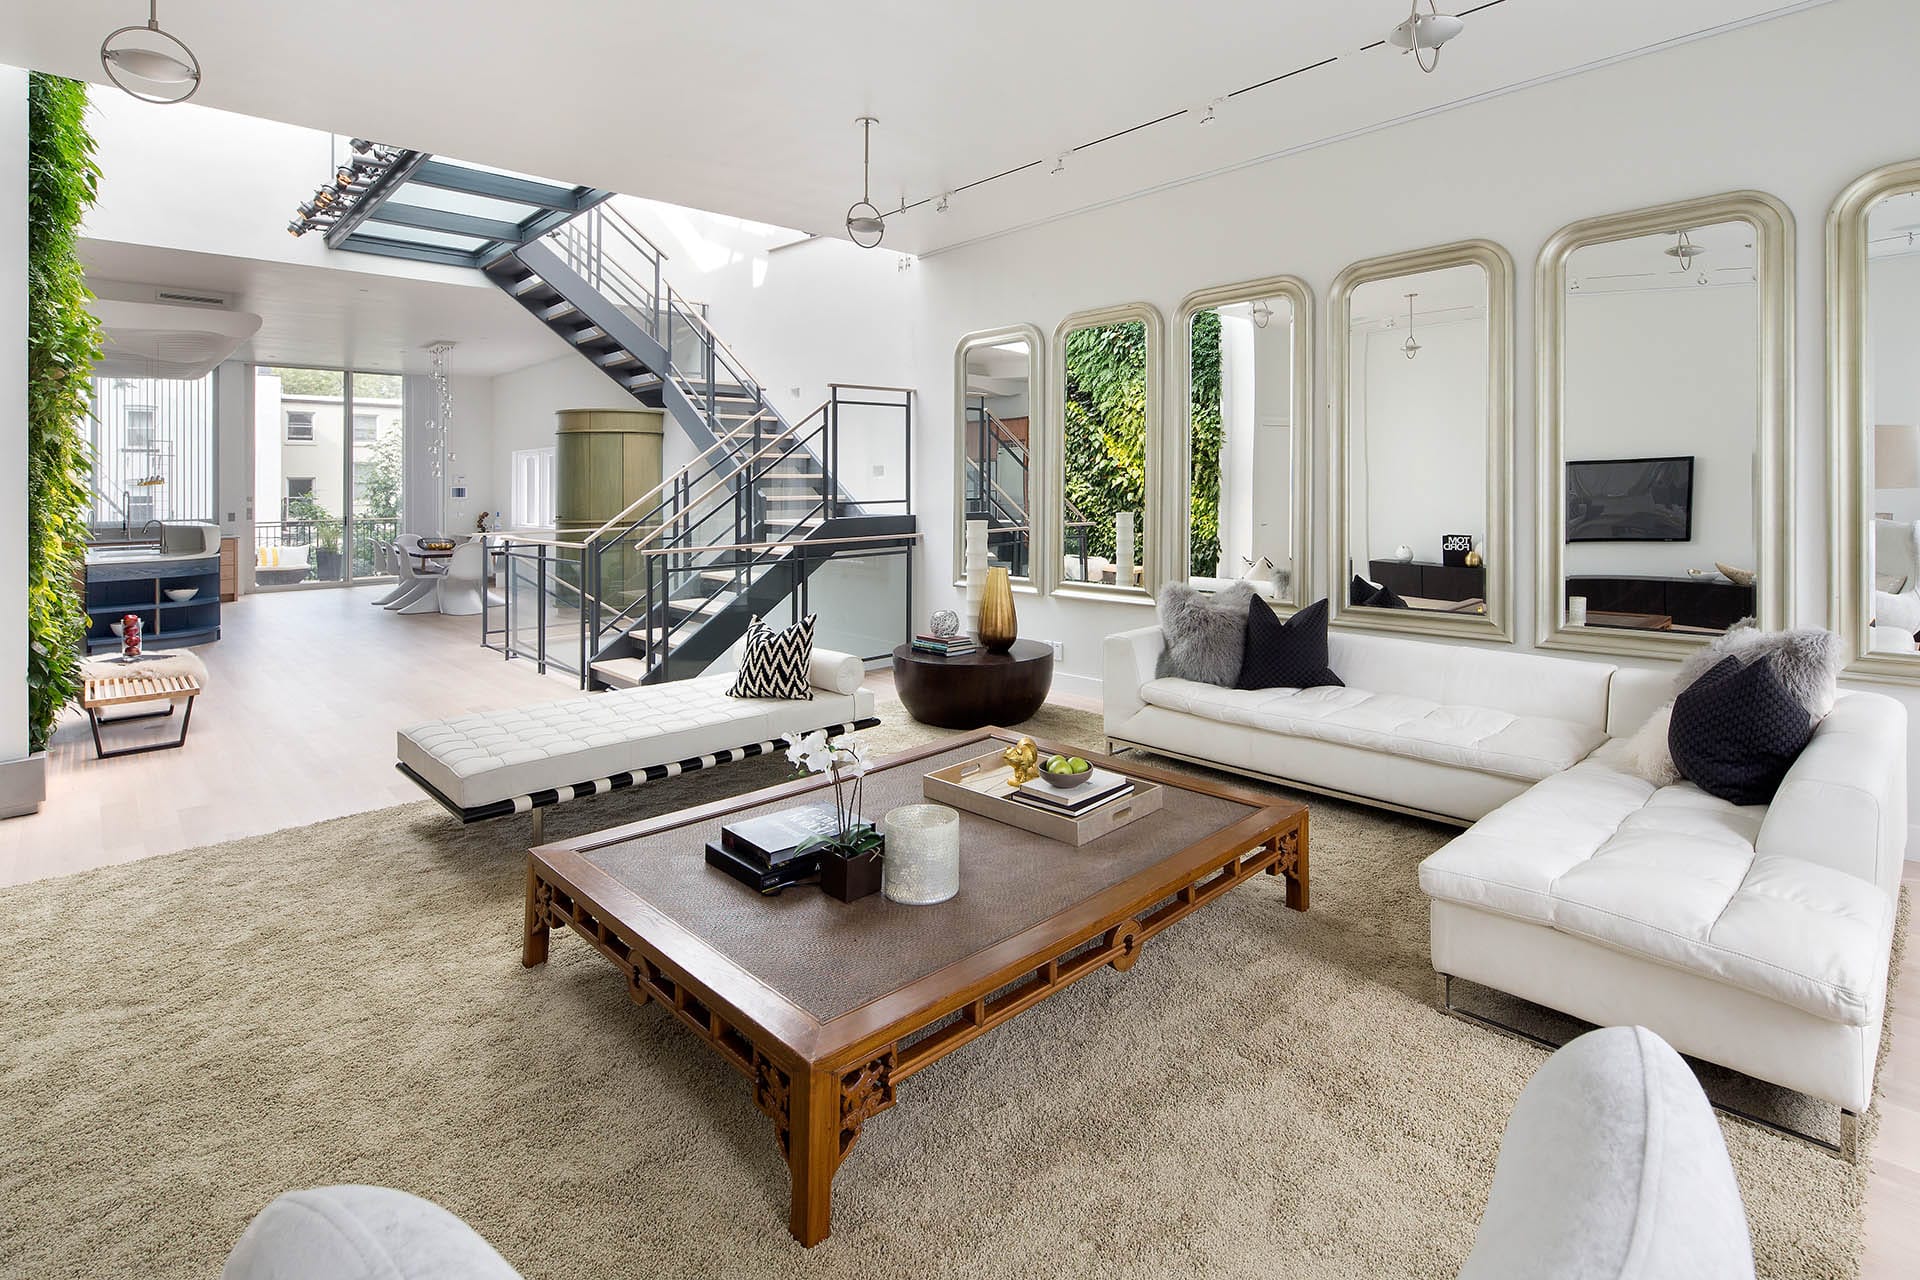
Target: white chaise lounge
494,764
1754,936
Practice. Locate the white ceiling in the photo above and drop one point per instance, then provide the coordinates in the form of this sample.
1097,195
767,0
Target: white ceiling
337,319
747,108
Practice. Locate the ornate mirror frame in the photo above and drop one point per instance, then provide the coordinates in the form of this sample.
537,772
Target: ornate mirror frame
1036,417
1772,224
1177,537
1850,486
1497,622
1050,546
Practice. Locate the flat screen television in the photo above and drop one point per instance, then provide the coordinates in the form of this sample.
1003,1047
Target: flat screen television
1630,500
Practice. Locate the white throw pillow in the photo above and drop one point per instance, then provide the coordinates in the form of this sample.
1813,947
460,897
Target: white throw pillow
1901,612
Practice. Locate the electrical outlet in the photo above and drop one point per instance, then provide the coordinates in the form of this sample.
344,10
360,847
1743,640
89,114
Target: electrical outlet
1059,651
879,469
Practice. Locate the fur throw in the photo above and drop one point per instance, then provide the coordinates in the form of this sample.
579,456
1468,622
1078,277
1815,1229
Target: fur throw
1807,660
1206,634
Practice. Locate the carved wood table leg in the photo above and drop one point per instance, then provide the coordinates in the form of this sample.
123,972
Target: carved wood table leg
1292,863
535,932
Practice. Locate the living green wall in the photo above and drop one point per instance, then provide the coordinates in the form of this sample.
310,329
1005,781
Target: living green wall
63,339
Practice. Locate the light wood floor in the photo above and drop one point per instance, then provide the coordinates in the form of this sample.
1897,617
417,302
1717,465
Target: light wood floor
306,689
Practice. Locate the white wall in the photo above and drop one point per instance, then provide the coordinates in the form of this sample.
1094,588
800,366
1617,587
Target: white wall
1894,333
1657,373
523,404
1420,453
13,413
1799,107
426,506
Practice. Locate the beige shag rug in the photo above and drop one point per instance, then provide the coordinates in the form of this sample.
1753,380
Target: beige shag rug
1264,1094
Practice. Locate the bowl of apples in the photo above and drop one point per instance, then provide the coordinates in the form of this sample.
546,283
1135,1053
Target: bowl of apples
1066,771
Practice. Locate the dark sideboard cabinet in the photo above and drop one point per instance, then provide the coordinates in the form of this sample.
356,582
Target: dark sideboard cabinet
1430,581
1705,603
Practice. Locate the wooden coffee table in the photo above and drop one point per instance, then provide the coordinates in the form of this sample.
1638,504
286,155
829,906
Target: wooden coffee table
827,1007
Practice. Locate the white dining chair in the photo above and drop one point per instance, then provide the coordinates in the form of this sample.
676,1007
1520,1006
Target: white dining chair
420,591
386,559
465,579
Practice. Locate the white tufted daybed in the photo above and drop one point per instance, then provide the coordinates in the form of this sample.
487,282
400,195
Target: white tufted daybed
1754,936
493,764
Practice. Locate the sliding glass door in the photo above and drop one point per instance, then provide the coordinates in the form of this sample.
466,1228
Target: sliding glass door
327,475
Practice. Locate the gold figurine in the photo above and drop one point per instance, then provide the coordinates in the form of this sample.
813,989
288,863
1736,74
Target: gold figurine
1025,759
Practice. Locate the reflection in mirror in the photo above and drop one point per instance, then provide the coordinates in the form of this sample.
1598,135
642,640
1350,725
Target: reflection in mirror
995,470
1660,427
1240,446
1417,441
1890,440
1108,391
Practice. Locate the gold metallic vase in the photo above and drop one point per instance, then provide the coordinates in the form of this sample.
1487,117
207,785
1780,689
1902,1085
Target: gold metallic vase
998,625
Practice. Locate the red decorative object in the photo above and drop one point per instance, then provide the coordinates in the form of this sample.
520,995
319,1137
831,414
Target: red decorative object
130,636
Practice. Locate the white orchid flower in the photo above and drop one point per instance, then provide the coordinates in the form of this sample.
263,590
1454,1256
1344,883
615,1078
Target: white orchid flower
858,761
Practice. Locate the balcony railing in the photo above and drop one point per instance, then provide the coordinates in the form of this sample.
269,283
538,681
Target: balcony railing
290,552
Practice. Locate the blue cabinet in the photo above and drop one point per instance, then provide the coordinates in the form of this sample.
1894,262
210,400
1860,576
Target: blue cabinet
117,587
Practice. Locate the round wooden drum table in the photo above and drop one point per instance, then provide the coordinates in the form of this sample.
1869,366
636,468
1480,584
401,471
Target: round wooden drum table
975,689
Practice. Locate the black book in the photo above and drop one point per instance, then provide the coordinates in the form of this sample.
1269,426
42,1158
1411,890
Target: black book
765,880
773,838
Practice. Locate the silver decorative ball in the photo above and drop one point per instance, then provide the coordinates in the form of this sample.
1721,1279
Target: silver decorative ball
945,622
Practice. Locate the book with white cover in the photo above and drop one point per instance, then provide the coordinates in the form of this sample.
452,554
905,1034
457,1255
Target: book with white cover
1101,786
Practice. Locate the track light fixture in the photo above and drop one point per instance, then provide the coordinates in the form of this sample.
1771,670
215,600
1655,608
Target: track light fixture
1422,32
865,225
156,64
352,178
1684,249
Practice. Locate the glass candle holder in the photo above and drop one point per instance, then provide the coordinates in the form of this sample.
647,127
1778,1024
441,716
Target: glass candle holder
922,864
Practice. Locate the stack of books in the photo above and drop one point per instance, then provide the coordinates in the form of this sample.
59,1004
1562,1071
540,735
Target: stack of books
944,646
766,853
1102,788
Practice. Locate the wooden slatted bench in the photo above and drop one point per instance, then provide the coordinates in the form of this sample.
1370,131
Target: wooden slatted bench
109,683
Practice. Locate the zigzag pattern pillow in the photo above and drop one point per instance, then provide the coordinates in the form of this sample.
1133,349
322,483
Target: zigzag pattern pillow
774,663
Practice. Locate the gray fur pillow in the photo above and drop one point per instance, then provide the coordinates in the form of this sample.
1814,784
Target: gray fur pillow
1807,660
1206,634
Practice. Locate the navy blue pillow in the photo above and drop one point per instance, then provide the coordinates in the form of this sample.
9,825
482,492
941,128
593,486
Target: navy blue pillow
1737,730
1286,655
1365,593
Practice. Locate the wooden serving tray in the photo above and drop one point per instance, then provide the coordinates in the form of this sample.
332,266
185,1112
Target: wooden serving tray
980,786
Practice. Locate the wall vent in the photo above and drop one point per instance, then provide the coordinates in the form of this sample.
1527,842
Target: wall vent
183,298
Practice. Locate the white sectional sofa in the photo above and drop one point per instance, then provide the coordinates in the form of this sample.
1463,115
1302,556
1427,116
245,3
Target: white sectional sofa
1757,936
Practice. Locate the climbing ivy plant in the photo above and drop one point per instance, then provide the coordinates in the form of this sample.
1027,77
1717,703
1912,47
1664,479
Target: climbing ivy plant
1106,433
63,339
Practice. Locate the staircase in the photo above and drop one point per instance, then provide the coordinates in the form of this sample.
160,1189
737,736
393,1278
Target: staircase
997,472
673,581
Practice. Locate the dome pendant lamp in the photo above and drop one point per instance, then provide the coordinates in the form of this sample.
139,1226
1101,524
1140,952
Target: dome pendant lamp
865,226
150,64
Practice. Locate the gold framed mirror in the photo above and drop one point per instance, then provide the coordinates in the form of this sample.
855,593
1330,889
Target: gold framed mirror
1420,393
999,394
1664,428
1101,539
1873,444
1241,453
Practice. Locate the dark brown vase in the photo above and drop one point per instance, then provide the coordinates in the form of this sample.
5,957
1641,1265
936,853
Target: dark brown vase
849,879
998,624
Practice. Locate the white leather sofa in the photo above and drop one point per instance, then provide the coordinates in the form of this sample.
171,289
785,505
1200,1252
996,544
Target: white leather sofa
1757,937
1444,731
1753,936
492,764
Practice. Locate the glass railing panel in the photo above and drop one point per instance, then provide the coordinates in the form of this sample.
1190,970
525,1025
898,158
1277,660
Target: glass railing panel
859,603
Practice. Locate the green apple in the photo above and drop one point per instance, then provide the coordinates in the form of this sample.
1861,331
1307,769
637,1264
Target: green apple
1077,765
1058,764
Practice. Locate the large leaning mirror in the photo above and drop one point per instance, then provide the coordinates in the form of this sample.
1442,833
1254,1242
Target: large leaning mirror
1873,380
1106,453
1422,411
1244,438
997,389
1665,461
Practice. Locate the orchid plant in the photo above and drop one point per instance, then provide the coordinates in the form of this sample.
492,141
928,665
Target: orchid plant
847,763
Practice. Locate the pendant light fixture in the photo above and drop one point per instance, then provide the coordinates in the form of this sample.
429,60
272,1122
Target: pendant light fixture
150,64
865,226
1410,346
1421,32
1262,313
1684,249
